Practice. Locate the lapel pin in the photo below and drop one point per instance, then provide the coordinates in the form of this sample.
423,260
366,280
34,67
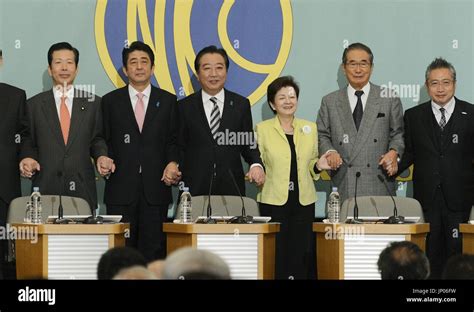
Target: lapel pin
231,103
82,108
464,113
157,104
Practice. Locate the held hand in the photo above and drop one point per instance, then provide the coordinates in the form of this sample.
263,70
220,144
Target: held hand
28,167
257,175
334,160
389,162
171,174
323,163
105,166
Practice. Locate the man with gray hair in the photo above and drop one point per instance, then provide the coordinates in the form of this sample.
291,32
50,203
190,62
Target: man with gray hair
190,263
439,141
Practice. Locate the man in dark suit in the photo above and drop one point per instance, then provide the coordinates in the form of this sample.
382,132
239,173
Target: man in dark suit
139,126
12,129
208,119
439,139
360,127
64,133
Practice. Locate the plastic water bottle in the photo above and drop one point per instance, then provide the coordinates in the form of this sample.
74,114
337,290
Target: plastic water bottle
334,206
185,207
34,211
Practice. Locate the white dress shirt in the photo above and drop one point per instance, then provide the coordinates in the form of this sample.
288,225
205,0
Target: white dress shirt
353,98
58,94
449,109
134,98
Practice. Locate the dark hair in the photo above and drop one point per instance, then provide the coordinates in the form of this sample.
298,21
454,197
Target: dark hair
137,46
403,260
62,46
210,50
357,46
440,63
116,259
277,84
459,267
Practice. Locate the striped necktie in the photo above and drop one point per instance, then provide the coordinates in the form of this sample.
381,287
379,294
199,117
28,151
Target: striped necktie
442,121
215,118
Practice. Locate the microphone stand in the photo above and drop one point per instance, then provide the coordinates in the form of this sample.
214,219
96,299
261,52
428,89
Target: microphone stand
395,219
355,219
209,219
243,219
60,219
93,219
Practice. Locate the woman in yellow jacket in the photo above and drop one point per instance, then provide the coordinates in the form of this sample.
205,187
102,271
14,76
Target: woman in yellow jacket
289,151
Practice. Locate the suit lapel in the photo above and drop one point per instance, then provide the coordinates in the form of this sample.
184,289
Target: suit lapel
427,121
199,106
368,120
51,116
278,128
152,108
228,111
344,111
125,105
456,122
79,109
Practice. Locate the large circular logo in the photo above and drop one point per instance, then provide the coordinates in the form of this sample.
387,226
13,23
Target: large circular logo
256,35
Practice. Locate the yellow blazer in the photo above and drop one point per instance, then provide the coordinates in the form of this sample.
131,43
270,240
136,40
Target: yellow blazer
276,156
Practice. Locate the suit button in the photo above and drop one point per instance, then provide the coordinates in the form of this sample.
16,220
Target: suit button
340,143
368,165
375,140
350,166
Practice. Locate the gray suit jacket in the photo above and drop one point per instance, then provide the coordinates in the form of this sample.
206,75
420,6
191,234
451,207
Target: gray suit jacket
59,163
381,129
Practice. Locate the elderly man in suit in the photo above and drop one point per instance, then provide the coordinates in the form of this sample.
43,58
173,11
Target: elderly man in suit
12,129
439,139
361,129
139,127
65,127
207,120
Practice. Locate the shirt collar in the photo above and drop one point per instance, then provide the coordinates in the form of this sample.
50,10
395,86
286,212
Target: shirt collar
449,107
220,96
351,91
58,92
133,92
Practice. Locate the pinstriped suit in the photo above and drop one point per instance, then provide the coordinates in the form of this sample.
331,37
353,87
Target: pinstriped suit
381,129
46,145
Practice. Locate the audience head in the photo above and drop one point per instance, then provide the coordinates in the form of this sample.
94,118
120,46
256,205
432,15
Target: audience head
459,267
189,263
135,272
404,261
116,259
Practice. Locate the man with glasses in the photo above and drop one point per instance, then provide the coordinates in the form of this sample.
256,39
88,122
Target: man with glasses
360,127
439,139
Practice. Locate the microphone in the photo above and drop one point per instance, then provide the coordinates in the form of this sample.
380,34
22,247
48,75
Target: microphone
93,219
355,219
209,219
395,219
60,219
243,218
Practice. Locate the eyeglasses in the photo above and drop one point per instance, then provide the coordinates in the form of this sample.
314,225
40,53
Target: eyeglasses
353,65
445,83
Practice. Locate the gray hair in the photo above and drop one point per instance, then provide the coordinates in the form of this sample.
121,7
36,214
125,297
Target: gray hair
440,63
189,263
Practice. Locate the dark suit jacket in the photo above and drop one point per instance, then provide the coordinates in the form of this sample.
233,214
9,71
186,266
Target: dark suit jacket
12,129
152,149
45,144
200,152
449,165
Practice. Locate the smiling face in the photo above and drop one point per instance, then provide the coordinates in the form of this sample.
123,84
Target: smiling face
285,102
212,73
139,69
63,68
357,68
441,85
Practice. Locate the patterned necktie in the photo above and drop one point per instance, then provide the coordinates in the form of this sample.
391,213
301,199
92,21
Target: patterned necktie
140,111
442,121
215,118
358,111
64,119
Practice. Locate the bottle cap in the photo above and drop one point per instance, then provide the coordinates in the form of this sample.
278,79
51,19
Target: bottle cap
334,188
36,189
